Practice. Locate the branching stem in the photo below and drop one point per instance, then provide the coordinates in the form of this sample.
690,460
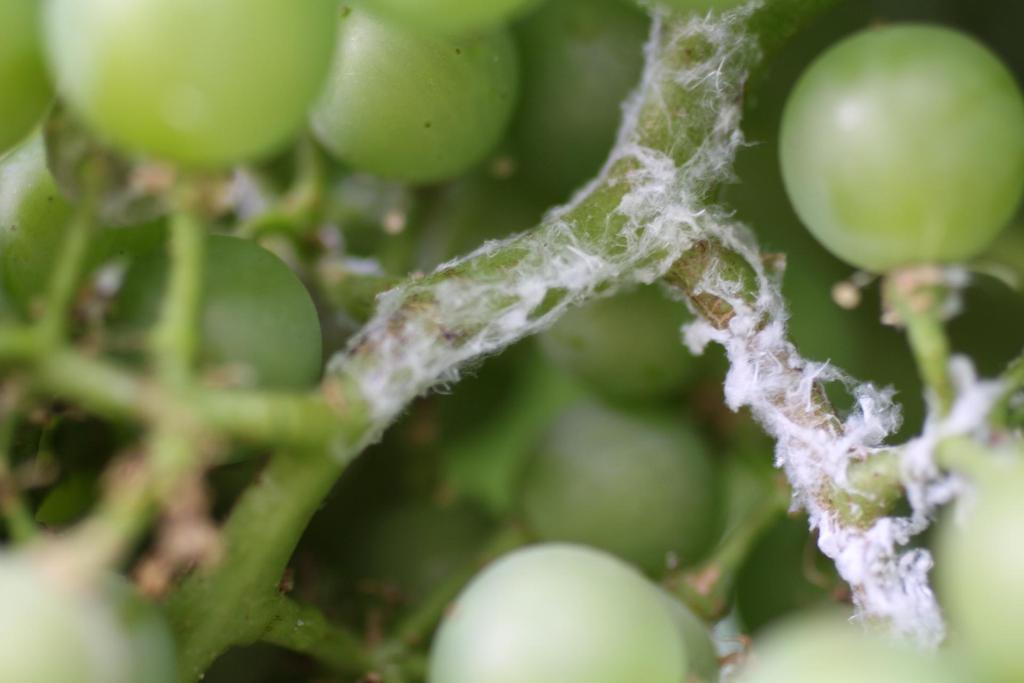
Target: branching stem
20,524
706,588
302,628
175,339
916,296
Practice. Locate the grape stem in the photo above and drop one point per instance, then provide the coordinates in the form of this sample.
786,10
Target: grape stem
264,527
53,326
235,602
304,629
706,588
175,339
298,209
173,448
916,296
104,388
20,524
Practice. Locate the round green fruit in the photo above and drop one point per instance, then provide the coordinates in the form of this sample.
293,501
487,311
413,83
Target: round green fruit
196,82
412,107
641,487
627,347
700,649
34,219
829,648
24,86
980,565
257,316
471,210
414,547
558,613
56,632
581,58
903,145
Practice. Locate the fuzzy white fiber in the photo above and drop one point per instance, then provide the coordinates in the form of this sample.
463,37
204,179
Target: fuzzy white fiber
424,331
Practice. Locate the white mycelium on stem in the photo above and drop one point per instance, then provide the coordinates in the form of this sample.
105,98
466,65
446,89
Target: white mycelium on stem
640,216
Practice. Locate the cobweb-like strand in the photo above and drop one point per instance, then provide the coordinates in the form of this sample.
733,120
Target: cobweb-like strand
424,331
815,450
645,211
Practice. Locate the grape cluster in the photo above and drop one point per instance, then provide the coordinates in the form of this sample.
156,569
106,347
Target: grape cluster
200,200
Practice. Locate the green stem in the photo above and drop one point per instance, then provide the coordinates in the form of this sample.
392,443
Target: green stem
297,210
20,524
879,488
916,297
67,273
706,588
264,528
19,344
96,385
875,489
928,342
176,337
235,603
304,629
107,390
295,420
124,514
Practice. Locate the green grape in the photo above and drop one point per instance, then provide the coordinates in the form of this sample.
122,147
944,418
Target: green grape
903,145
257,316
581,58
818,648
504,410
73,155
196,82
402,105
471,210
60,633
642,487
700,649
447,16
154,656
24,87
34,218
980,565
414,547
627,347
777,577
558,613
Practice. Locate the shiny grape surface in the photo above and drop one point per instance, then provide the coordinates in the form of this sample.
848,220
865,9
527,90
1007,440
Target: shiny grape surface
904,144
558,613
24,85
414,107
196,82
640,486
